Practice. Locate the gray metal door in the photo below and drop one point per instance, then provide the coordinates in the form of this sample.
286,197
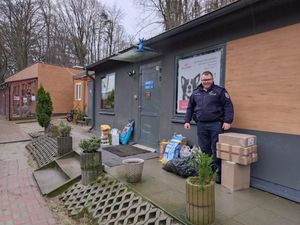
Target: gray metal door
149,107
90,99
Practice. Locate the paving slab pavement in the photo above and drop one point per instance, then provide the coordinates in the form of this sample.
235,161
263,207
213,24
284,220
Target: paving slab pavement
10,132
20,198
22,203
246,207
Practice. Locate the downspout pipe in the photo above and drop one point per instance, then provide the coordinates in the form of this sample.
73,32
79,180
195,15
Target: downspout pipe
94,97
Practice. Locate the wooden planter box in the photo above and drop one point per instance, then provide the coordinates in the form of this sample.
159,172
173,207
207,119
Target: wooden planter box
91,166
64,145
200,202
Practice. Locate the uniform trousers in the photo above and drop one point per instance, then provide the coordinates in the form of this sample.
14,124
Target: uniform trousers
208,135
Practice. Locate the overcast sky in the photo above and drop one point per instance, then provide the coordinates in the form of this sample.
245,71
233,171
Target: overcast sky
134,19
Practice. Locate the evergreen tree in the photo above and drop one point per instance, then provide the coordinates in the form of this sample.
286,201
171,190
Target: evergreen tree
43,107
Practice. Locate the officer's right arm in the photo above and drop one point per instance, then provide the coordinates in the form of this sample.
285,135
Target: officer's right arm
189,112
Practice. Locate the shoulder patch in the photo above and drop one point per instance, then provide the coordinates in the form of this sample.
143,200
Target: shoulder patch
226,95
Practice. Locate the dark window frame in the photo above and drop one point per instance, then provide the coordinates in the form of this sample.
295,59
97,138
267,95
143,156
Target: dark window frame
107,111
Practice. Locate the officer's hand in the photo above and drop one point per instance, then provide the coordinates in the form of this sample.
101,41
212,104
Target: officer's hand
187,126
226,126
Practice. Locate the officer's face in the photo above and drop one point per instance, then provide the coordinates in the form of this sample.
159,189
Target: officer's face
207,81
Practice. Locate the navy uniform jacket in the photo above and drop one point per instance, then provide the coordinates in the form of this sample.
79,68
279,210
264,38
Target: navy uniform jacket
210,106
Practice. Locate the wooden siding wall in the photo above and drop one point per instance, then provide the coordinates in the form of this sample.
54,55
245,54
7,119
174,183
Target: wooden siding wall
58,81
263,79
78,104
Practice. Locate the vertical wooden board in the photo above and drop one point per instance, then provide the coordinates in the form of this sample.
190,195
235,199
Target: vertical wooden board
262,79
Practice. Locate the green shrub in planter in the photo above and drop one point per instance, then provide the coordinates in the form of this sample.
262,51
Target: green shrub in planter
90,145
79,115
204,166
90,160
64,140
200,191
64,129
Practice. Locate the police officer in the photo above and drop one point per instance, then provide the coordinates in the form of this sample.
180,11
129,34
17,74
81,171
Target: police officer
211,108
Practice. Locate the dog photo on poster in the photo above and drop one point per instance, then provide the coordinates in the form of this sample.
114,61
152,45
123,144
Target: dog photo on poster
189,72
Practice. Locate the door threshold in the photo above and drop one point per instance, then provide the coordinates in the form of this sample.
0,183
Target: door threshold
145,147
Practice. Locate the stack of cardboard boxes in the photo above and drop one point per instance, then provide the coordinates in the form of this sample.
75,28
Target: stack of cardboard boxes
237,152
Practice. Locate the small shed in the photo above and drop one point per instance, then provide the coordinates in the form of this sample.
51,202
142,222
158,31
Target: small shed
18,94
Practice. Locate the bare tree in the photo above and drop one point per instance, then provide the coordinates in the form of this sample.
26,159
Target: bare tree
114,32
44,43
172,13
18,24
58,32
213,5
3,63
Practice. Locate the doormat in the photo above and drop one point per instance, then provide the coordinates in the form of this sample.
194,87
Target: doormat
125,150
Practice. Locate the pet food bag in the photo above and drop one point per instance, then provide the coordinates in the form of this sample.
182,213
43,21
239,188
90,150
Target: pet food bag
173,148
126,133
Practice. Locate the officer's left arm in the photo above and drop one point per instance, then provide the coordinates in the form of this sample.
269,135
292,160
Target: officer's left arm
227,107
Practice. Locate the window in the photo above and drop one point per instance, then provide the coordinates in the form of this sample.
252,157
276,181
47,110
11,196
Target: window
108,92
78,91
189,69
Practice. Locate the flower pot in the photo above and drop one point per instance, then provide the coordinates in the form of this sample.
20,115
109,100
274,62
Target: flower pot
91,166
200,202
134,169
64,145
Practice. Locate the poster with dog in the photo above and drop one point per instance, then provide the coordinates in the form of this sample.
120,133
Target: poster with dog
189,75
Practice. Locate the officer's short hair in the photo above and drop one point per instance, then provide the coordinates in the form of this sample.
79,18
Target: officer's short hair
207,73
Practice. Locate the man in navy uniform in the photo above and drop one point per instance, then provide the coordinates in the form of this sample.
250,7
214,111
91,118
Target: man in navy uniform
211,108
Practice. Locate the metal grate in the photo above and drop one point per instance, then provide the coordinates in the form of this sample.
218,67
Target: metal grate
111,203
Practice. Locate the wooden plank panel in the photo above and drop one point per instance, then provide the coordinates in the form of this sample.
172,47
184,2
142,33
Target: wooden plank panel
58,81
263,79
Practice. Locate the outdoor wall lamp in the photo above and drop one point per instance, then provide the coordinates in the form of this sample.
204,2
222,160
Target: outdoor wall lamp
131,73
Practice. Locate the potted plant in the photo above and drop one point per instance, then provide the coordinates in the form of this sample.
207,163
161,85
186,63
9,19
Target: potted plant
200,191
90,159
64,140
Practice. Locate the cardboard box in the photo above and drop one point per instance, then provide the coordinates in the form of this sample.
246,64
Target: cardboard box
237,154
237,150
234,176
238,139
239,159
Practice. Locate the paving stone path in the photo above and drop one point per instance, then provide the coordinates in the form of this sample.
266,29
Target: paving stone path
20,200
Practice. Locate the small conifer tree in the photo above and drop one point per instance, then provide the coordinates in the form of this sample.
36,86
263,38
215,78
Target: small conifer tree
43,107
